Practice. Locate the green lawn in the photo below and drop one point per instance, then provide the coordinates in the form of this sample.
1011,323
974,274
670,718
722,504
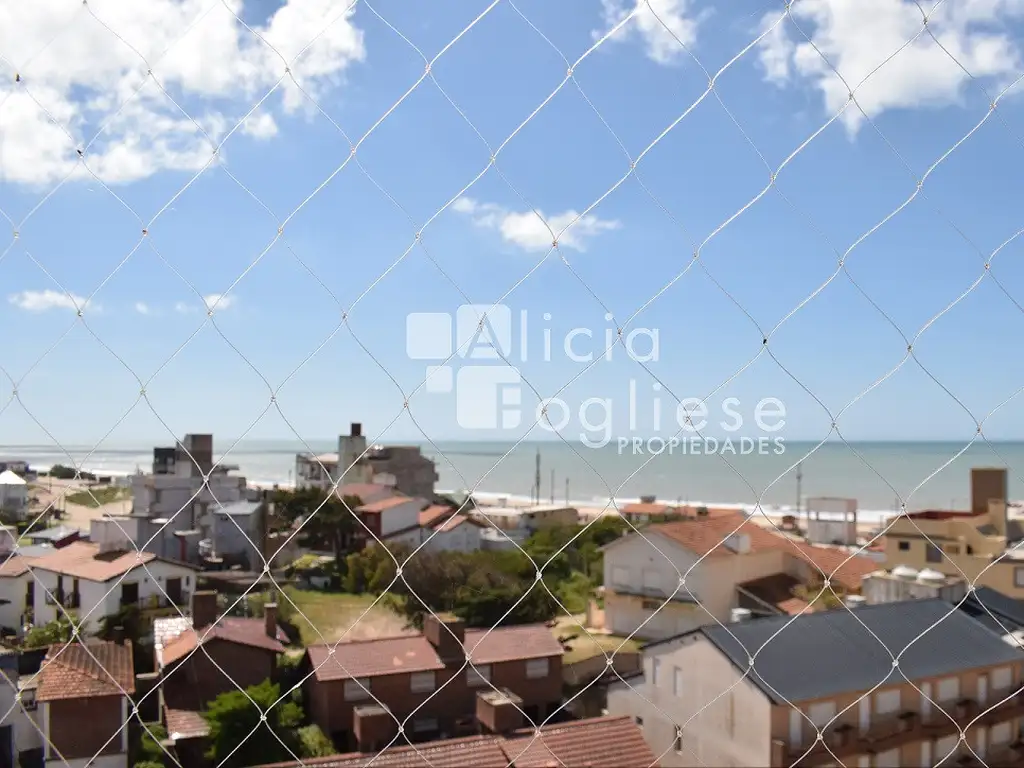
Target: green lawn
332,615
97,497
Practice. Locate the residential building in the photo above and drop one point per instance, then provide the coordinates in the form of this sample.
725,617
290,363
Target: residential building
9,749
979,544
507,527
403,467
647,509
600,742
18,467
1000,613
758,692
83,697
445,529
728,562
176,500
57,536
17,593
831,521
204,655
906,583
13,495
239,533
389,517
94,582
22,715
425,679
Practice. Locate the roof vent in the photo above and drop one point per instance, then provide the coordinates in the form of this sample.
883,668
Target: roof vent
855,601
928,576
740,614
905,572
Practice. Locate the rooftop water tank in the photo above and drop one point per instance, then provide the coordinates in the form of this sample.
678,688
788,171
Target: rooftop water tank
928,576
905,572
740,614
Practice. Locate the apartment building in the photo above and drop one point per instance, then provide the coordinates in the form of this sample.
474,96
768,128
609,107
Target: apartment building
728,562
83,696
831,672
356,692
979,543
403,467
506,527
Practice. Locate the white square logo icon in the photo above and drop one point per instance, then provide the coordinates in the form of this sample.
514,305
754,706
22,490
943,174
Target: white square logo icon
488,397
428,336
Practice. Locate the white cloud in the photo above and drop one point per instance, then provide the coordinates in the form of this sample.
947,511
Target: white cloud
528,232
857,37
142,308
216,70
42,301
260,125
223,302
660,24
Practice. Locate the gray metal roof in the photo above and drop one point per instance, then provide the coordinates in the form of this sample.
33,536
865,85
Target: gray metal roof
53,534
240,508
825,654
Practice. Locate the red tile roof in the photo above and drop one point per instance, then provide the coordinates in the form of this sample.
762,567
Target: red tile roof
434,514
229,629
185,724
455,521
385,504
76,671
600,742
83,560
392,655
706,537
16,565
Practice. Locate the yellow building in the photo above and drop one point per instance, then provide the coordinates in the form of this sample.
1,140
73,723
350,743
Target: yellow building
979,544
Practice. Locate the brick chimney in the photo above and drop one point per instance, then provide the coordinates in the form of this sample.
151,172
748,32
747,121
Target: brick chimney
447,634
270,619
204,608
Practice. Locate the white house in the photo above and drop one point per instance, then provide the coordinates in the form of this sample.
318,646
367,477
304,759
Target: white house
17,590
87,579
13,494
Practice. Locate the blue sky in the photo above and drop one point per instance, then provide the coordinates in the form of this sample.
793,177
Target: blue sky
351,247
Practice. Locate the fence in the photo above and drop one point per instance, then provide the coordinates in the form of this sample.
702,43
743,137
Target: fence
620,287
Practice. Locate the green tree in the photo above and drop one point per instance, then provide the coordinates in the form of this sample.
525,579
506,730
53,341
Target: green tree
137,627
240,737
314,743
56,632
328,520
149,749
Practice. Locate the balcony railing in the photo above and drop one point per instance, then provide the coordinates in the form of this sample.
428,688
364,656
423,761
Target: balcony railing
156,602
70,602
845,740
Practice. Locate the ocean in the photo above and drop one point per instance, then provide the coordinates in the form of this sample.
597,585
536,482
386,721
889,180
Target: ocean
878,475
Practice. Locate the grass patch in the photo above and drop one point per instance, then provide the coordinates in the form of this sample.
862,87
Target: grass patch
337,614
97,497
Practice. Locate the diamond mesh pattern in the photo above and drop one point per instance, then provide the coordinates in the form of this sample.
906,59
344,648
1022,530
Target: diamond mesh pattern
295,73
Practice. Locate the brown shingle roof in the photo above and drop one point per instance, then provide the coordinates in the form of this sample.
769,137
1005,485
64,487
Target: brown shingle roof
185,724
230,629
82,560
600,742
838,564
70,672
434,514
392,655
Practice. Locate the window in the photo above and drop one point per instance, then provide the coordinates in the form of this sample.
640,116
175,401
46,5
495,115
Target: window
536,668
1002,678
425,724
421,682
478,676
353,691
650,605
1018,576
655,671
904,546
677,682
949,690
1000,734
933,554
620,576
678,744
28,699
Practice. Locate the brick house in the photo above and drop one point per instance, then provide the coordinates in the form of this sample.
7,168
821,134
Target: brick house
599,742
83,700
348,688
232,653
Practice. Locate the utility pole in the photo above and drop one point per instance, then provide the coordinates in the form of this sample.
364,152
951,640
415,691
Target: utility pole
567,491
552,486
799,481
536,479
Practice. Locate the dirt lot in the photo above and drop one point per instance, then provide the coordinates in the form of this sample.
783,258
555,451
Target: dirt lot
52,493
334,616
